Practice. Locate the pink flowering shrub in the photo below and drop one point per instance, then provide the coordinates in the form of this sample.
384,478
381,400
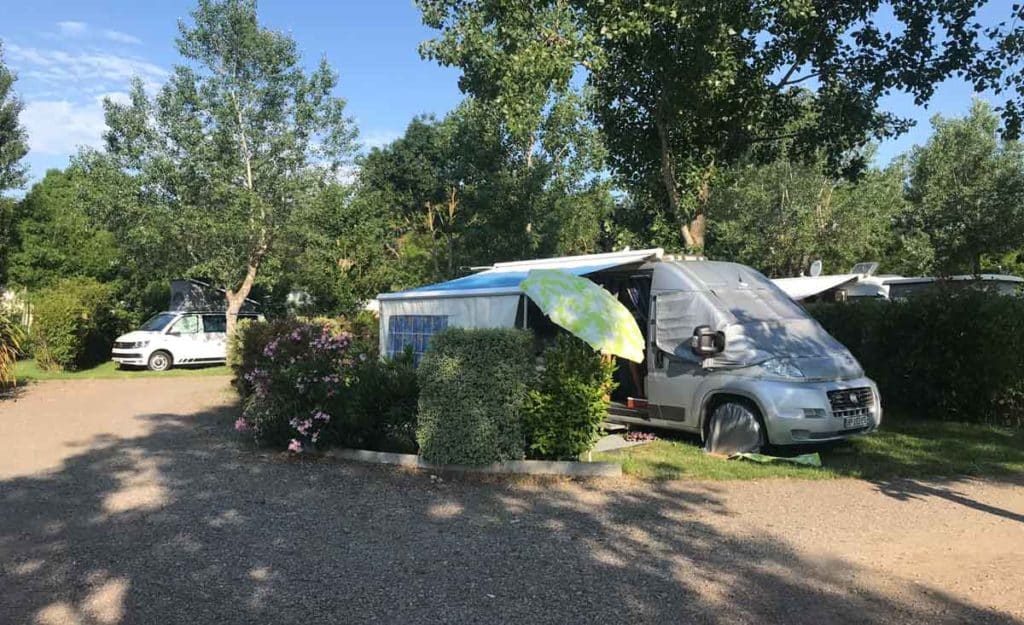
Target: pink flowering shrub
308,384
293,381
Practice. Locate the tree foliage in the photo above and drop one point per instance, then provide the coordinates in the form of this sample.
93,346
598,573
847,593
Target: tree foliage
55,238
13,141
782,216
238,138
682,89
967,191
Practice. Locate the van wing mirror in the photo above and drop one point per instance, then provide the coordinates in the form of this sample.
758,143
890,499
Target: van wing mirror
706,342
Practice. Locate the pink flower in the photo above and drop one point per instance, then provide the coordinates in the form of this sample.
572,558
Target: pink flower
295,446
241,425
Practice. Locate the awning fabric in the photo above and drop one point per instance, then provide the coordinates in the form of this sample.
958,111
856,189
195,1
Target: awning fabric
809,286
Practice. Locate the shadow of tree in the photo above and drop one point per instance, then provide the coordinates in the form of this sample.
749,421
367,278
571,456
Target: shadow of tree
185,524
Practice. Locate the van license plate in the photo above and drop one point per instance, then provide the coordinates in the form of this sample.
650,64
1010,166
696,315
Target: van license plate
859,421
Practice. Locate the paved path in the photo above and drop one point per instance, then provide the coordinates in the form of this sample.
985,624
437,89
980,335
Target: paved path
131,501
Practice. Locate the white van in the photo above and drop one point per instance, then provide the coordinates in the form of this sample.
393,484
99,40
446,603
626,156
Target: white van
175,338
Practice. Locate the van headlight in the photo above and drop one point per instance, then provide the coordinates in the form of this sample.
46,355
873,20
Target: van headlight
782,367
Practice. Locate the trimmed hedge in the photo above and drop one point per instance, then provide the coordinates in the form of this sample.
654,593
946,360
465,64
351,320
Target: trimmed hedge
944,354
473,386
74,324
564,413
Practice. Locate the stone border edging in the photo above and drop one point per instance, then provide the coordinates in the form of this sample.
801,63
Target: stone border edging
526,467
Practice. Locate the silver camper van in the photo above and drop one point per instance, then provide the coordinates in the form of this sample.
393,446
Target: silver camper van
729,355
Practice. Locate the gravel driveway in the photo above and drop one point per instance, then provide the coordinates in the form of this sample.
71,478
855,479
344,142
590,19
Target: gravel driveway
132,501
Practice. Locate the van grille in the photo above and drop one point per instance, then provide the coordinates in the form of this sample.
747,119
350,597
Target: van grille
850,402
124,345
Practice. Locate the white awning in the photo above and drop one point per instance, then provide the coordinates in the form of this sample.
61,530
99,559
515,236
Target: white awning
809,286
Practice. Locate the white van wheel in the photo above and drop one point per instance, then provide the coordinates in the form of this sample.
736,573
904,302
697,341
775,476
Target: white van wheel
159,361
734,426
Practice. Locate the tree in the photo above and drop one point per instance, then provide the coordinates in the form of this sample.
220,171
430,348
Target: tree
782,216
683,89
13,141
233,143
966,189
54,237
459,192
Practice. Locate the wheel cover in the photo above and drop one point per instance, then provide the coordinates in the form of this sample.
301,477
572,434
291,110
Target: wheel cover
159,361
733,429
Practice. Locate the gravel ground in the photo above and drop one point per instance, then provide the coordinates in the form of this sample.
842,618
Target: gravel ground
132,501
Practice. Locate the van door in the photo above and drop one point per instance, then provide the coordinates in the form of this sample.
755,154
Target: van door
215,337
184,339
672,381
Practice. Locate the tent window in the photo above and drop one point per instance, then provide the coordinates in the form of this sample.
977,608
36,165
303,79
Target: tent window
414,331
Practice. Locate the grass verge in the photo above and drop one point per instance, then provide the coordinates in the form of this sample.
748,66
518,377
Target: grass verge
29,370
904,448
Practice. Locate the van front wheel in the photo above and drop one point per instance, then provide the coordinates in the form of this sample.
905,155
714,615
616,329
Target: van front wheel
734,426
159,361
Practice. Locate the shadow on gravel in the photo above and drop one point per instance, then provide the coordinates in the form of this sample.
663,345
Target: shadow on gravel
905,490
185,525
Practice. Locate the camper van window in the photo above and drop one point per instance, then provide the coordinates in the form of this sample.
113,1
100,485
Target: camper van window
189,324
157,322
414,331
215,323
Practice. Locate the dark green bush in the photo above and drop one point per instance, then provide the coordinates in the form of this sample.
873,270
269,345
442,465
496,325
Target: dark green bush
472,388
380,406
563,414
74,324
943,354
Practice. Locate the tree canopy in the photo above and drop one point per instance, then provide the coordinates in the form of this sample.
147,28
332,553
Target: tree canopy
13,141
966,187
682,89
239,136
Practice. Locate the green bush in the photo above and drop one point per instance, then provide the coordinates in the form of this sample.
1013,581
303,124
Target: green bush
472,388
380,406
944,354
74,324
563,415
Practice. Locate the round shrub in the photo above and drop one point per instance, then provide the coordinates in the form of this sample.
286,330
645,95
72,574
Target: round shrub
472,388
292,380
563,415
74,324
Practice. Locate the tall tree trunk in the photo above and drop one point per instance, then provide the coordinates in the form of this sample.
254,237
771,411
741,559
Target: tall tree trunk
668,179
236,297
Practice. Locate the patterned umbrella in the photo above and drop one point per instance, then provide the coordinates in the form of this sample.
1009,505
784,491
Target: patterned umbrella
587,311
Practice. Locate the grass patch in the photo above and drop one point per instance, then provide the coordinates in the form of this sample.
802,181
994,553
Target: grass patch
903,448
28,370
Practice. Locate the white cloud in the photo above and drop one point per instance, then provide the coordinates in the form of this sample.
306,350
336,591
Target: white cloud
68,68
60,127
73,29
119,37
379,138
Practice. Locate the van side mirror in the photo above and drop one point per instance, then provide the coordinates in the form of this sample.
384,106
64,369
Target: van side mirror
707,342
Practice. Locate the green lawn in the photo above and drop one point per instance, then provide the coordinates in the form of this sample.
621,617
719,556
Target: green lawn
28,370
902,449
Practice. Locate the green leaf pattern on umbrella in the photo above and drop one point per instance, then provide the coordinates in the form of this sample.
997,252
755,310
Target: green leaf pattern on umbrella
586,310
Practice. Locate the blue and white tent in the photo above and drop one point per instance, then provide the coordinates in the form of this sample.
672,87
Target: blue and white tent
488,299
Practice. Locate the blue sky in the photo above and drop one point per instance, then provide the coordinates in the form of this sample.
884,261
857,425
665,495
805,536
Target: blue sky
70,54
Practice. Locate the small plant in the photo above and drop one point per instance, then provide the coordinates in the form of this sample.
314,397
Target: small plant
564,412
11,338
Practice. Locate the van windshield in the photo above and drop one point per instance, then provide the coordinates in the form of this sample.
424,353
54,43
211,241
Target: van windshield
157,322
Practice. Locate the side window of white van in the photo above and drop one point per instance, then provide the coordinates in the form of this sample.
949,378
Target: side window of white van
215,324
189,324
